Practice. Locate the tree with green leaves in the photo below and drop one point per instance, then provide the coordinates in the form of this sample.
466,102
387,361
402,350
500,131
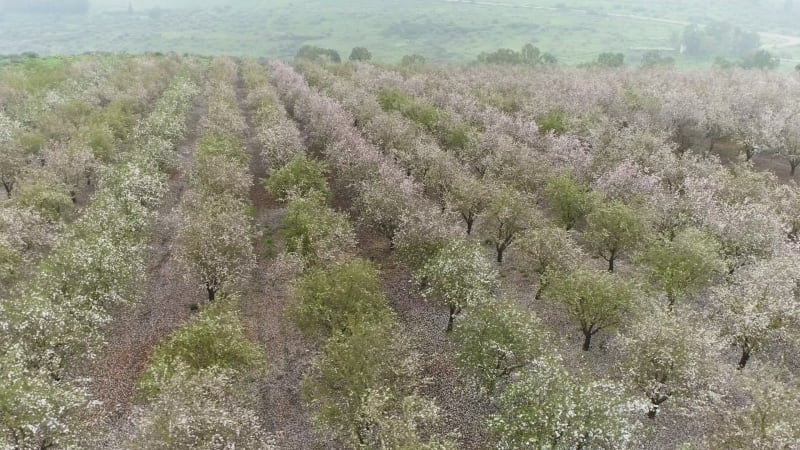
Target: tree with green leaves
298,177
508,213
613,228
548,250
683,266
496,339
597,300
214,339
315,232
360,54
363,384
612,60
569,199
335,299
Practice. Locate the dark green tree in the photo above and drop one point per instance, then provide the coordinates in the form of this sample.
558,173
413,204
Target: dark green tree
360,54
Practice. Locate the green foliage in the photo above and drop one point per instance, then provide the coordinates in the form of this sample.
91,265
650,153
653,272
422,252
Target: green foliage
496,339
363,384
424,114
360,54
761,59
529,55
412,60
50,198
555,121
10,260
597,300
221,145
336,299
611,60
654,59
215,338
318,53
684,265
613,228
508,213
569,199
300,177
316,232
101,140
546,408
32,142
458,136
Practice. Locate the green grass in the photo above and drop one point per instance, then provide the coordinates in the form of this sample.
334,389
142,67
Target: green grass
577,31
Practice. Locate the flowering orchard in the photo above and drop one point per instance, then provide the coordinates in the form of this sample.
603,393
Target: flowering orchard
411,257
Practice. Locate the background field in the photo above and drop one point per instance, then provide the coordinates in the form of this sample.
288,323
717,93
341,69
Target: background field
441,30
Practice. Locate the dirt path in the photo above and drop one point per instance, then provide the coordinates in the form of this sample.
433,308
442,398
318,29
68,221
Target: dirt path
164,307
264,307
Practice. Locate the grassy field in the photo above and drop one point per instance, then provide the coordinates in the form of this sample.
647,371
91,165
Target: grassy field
448,31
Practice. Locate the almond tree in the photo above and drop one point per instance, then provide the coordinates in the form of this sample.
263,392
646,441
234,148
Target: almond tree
597,300
213,242
769,420
665,358
497,339
613,228
683,266
759,305
548,249
568,199
508,213
458,276
547,408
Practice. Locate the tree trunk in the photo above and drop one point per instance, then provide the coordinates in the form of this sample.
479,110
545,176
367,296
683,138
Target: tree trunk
611,259
212,293
469,219
8,187
745,357
454,309
651,414
793,165
587,340
749,151
500,249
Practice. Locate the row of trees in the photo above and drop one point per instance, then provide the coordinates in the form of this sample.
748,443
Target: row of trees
53,324
496,339
45,170
365,384
693,267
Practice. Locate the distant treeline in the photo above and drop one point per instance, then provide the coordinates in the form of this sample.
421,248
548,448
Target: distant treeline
45,6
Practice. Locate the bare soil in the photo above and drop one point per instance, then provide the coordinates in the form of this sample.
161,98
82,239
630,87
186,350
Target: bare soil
264,305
